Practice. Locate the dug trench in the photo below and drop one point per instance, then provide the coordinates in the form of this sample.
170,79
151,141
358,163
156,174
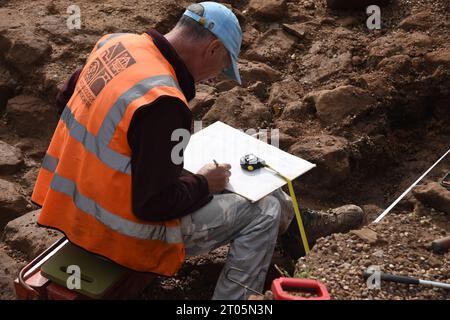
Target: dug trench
369,107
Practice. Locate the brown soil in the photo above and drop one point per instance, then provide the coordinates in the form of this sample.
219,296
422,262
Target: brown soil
370,108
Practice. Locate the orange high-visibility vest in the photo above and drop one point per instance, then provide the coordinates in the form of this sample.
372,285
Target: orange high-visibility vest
84,184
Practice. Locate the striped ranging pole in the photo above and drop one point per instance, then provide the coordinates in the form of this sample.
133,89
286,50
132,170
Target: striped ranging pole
385,212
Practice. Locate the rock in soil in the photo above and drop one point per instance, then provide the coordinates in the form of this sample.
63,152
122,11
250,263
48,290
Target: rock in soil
251,72
268,9
354,4
10,158
27,50
28,115
12,202
239,110
433,195
439,57
204,99
334,105
273,46
421,20
328,153
9,269
25,235
366,234
29,180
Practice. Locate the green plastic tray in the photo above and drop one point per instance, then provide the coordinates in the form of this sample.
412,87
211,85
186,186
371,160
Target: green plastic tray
97,274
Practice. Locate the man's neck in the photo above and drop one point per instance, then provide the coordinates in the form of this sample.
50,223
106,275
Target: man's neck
183,48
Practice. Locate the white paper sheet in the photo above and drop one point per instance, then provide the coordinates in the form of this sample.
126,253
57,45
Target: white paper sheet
226,144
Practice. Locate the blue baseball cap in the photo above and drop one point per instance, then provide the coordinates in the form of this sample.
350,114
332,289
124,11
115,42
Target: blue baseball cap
222,22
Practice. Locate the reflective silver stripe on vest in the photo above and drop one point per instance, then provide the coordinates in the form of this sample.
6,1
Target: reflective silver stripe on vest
115,114
112,221
50,163
92,143
98,145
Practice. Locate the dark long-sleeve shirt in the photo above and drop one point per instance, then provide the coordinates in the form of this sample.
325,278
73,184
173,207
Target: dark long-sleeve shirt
159,191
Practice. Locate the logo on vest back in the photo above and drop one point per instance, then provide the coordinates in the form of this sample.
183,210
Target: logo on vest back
102,70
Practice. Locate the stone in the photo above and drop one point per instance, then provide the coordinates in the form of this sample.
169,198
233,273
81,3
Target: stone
226,85
300,30
255,297
321,66
419,40
354,4
378,254
286,141
420,210
267,9
10,21
259,89
29,179
296,110
249,36
399,43
334,105
12,203
9,269
27,51
240,110
422,20
272,46
25,235
51,25
439,57
295,12
348,21
252,72
309,5
8,86
30,116
84,42
10,159
357,60
396,64
328,153
372,211
204,98
366,234
283,92
433,195
33,147
327,21
378,85
268,295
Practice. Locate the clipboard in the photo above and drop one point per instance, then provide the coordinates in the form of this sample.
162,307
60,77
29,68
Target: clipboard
226,144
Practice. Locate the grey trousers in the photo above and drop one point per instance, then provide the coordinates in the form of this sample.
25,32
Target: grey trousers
251,229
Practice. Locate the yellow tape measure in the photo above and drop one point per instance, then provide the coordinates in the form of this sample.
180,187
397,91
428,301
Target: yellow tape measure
250,162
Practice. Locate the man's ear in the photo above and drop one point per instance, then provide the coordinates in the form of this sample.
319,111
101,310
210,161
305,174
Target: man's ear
213,47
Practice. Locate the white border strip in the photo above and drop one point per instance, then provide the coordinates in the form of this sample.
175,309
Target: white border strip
381,216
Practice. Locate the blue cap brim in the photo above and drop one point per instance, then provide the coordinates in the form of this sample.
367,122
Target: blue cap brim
233,71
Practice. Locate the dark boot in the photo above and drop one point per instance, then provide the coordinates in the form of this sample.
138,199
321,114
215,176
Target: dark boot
320,224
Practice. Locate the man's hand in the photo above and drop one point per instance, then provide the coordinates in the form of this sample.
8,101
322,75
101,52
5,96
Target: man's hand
217,176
